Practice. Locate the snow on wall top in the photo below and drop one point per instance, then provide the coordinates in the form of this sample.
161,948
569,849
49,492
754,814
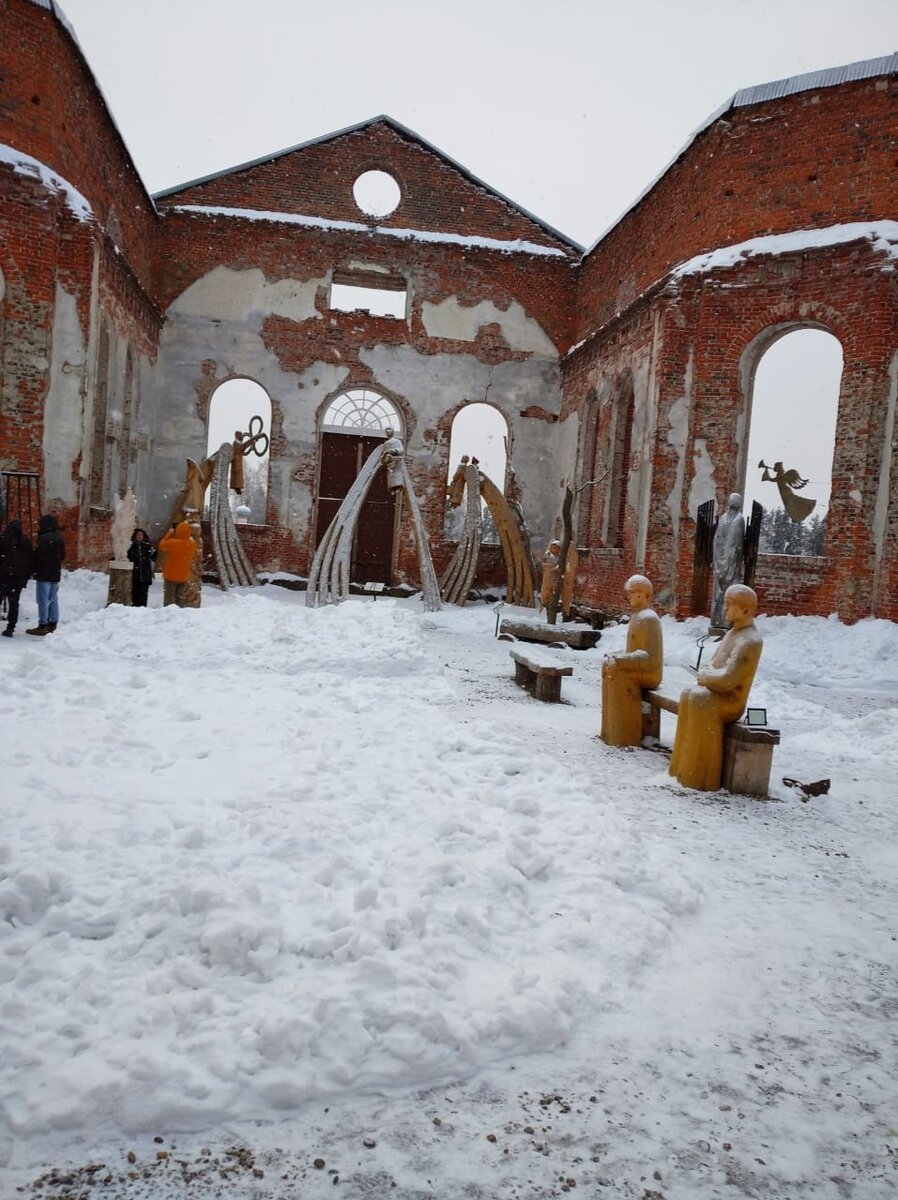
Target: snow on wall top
516,246
882,234
24,164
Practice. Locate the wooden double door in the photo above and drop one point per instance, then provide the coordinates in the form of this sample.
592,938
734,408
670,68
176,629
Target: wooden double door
342,457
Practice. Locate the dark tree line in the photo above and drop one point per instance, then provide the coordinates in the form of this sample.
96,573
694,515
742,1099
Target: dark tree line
781,535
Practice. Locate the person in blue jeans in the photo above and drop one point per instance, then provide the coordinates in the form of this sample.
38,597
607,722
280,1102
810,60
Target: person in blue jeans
48,558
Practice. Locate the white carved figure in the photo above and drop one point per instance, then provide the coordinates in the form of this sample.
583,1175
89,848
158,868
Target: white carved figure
123,525
392,455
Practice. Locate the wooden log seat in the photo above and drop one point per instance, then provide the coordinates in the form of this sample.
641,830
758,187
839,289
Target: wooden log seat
747,750
553,635
540,674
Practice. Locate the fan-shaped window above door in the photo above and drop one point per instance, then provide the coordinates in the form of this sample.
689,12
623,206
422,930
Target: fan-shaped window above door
361,410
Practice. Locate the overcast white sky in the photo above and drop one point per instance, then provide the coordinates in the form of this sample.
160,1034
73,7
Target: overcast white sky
570,108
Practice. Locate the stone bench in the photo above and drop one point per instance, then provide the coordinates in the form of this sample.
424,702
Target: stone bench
747,750
553,635
540,674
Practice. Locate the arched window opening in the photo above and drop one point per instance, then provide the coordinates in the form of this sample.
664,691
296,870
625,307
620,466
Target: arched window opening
124,461
616,503
478,431
99,474
362,410
233,406
789,463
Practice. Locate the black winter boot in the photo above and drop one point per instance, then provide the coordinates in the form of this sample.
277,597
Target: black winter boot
7,632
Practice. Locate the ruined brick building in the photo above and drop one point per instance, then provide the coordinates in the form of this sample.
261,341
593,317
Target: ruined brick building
122,313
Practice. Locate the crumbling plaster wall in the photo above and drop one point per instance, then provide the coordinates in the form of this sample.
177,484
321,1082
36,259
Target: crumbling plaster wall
237,322
64,405
213,332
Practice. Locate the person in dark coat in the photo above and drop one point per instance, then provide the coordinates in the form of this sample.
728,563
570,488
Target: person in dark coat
142,554
16,566
48,559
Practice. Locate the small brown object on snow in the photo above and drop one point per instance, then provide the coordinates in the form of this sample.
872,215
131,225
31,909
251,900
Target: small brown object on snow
819,788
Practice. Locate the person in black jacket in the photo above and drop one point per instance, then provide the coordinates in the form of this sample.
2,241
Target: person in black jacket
142,554
16,565
48,559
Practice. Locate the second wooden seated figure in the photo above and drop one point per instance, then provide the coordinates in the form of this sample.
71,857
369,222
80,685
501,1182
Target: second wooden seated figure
720,695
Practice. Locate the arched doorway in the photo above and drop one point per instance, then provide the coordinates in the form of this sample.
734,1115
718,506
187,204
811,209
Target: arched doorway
352,426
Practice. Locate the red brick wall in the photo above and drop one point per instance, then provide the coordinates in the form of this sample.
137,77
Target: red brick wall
811,160
807,161
706,328
318,181
192,245
53,111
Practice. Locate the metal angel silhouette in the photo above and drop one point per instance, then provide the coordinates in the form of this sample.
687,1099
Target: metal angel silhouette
788,483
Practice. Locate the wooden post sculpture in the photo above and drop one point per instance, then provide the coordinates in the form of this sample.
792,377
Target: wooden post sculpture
470,483
222,468
719,697
640,666
329,576
550,593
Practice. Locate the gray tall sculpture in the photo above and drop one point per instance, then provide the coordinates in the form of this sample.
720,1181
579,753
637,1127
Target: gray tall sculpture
729,548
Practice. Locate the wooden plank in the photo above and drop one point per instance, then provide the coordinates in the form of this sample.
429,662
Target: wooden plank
657,699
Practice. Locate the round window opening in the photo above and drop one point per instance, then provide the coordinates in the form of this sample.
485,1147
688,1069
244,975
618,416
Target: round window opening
376,193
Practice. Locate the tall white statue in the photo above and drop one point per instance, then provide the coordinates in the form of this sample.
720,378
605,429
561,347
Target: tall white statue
124,522
729,550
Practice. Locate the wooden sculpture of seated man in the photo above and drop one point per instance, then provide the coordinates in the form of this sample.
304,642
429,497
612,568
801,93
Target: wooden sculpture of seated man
640,666
719,697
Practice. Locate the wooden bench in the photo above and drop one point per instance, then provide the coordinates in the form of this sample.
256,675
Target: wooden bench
747,750
540,674
553,635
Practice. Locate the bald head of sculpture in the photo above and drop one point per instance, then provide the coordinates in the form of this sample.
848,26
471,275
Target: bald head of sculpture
740,604
639,591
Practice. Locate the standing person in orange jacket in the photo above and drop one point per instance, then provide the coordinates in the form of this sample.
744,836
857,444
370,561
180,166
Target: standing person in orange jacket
179,549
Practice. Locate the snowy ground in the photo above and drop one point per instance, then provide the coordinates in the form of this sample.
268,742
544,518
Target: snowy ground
282,887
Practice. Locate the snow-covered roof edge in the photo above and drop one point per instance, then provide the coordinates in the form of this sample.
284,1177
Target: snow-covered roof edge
882,236
506,246
406,132
757,94
52,6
